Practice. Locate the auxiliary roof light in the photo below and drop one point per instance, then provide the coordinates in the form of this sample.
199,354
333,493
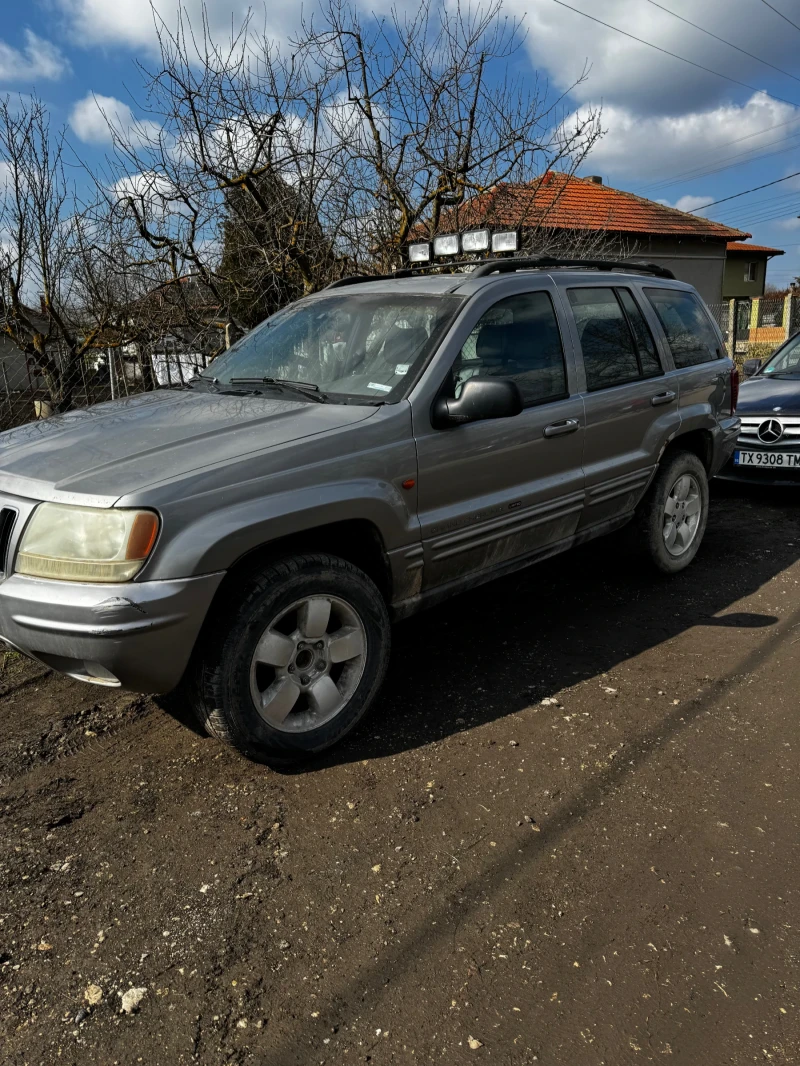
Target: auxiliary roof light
475,240
505,241
446,244
419,253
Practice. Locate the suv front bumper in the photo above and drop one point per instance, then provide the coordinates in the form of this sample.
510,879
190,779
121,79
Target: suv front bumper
137,635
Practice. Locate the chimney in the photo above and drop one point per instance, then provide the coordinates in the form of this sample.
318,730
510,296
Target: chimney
595,179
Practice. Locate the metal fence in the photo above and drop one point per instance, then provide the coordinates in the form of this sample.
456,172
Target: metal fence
720,313
110,375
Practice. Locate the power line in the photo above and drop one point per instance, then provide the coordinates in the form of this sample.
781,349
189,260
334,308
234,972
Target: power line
726,164
761,214
746,191
722,40
781,14
726,144
763,203
674,55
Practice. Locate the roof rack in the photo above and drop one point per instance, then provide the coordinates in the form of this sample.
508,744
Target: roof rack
357,279
483,267
543,262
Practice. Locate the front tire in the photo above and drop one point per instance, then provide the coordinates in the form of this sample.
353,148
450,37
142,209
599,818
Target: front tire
293,659
675,512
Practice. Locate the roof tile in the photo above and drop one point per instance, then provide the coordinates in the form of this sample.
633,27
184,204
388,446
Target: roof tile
742,246
562,201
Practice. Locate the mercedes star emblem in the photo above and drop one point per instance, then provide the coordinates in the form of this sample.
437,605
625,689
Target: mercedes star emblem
770,431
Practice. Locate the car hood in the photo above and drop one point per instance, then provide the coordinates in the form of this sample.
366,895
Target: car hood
101,453
763,395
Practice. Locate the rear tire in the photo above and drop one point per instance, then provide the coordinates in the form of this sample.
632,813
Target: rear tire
673,516
292,659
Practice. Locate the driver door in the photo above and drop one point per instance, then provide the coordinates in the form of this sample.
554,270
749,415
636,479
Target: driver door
498,490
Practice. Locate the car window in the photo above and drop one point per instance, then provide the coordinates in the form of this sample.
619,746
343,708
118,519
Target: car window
690,335
648,357
786,360
517,338
609,352
354,346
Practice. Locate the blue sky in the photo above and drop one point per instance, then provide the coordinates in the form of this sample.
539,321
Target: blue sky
674,132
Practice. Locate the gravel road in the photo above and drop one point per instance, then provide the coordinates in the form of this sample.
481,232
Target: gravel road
567,835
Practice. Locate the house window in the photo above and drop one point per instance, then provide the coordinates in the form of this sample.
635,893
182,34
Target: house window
750,273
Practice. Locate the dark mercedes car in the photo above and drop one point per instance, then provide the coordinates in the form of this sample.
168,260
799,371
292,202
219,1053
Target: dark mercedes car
768,449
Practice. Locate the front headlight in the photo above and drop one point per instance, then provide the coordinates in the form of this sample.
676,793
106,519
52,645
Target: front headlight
85,543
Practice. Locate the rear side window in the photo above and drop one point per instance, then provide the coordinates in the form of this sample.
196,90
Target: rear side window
690,335
517,338
616,343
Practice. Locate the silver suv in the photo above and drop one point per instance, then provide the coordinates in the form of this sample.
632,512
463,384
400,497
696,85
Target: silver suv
367,451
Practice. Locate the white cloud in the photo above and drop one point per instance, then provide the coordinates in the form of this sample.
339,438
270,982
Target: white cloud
38,59
95,118
648,148
691,204
151,190
623,71
131,22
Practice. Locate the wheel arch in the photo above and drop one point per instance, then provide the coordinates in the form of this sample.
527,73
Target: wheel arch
699,442
357,540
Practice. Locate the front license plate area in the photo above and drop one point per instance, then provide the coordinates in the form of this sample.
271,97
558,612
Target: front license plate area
768,460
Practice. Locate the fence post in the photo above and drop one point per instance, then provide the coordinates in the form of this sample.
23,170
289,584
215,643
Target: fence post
8,391
731,344
788,314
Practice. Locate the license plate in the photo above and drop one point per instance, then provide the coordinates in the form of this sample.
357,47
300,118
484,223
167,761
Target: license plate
786,460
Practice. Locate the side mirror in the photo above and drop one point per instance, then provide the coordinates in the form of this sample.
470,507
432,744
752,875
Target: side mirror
481,398
750,366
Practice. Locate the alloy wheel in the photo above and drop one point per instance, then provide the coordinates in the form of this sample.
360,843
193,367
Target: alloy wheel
308,663
682,514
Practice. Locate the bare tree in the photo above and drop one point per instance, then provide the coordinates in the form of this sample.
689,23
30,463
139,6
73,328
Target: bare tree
431,117
265,175
64,285
229,180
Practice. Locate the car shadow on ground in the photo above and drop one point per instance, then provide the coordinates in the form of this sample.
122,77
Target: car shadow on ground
496,650
574,619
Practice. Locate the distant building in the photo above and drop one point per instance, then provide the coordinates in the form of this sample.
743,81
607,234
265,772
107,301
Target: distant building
746,270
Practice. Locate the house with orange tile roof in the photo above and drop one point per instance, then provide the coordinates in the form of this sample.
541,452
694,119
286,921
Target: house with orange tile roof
563,210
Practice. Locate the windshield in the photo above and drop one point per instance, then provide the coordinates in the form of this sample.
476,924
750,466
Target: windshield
352,347
785,361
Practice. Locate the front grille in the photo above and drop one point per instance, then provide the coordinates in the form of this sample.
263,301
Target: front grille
7,518
789,441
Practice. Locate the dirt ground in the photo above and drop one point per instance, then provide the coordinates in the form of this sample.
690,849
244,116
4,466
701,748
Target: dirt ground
567,835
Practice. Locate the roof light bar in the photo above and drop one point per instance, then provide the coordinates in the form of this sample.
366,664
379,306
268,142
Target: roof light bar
476,240
419,253
505,241
446,244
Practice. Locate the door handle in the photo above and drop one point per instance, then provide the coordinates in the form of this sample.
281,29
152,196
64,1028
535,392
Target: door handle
663,397
558,429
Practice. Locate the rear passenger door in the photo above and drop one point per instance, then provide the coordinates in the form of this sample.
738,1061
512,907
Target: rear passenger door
631,403
493,491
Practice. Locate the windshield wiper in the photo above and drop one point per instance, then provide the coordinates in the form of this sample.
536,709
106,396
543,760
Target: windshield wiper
307,389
